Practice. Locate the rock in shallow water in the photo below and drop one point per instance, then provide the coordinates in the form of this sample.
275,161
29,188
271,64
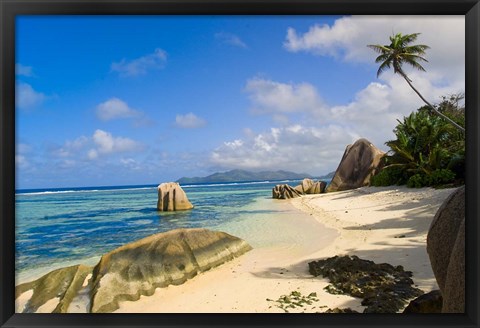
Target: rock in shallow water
383,287
171,197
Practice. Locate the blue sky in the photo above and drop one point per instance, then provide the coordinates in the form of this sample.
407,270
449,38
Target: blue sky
104,100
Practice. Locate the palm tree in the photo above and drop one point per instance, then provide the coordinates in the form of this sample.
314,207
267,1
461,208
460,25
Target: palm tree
400,52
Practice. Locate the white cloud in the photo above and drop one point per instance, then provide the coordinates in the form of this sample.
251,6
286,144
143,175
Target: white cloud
268,96
23,148
70,147
231,39
347,38
26,96
115,108
130,163
189,121
141,65
107,144
101,143
22,70
21,161
317,135
296,147
92,154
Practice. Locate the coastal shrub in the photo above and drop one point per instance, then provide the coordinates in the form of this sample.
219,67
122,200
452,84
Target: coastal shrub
427,150
440,177
389,176
416,181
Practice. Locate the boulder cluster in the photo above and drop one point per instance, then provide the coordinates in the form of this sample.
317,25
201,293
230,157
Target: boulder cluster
359,163
306,187
132,270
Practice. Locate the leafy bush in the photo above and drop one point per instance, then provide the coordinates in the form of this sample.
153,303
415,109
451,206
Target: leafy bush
389,176
440,177
428,150
416,181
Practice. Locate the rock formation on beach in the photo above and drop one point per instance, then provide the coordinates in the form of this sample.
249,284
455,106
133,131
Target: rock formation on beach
284,191
61,284
306,187
135,269
171,197
427,303
310,187
446,250
359,163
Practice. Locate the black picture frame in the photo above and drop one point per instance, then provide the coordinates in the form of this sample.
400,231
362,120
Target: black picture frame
9,9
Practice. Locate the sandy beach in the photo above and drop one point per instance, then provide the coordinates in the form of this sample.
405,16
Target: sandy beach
382,224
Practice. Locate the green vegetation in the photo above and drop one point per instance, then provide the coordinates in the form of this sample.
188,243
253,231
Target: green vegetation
400,52
295,300
428,151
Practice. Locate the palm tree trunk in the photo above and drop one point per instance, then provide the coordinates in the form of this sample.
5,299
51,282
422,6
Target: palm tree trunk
430,105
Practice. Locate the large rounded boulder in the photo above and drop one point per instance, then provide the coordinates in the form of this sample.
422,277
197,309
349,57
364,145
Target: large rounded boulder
359,163
171,197
163,259
446,250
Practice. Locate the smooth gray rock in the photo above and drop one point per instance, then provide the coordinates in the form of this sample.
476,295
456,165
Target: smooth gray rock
442,234
359,163
63,283
163,259
454,290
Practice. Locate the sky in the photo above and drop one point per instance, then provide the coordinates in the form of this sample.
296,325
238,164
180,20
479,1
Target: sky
131,100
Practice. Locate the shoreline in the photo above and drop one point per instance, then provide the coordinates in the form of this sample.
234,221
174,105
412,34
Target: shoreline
382,224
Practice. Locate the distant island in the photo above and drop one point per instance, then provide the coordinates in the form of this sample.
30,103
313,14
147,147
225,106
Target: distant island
243,176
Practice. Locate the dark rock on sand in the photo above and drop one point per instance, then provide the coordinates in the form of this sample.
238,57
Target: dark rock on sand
427,303
359,163
285,191
163,259
344,310
446,250
63,284
383,287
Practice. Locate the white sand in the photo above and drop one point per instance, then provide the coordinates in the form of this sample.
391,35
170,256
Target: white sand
365,222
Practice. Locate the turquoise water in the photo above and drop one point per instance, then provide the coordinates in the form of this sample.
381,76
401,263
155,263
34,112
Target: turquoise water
72,225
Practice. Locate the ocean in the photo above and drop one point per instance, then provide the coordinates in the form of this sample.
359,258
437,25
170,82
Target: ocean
60,227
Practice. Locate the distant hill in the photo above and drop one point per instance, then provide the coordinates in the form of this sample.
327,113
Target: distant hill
242,176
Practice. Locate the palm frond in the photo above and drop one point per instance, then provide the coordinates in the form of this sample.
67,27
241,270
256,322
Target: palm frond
414,63
384,66
379,48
